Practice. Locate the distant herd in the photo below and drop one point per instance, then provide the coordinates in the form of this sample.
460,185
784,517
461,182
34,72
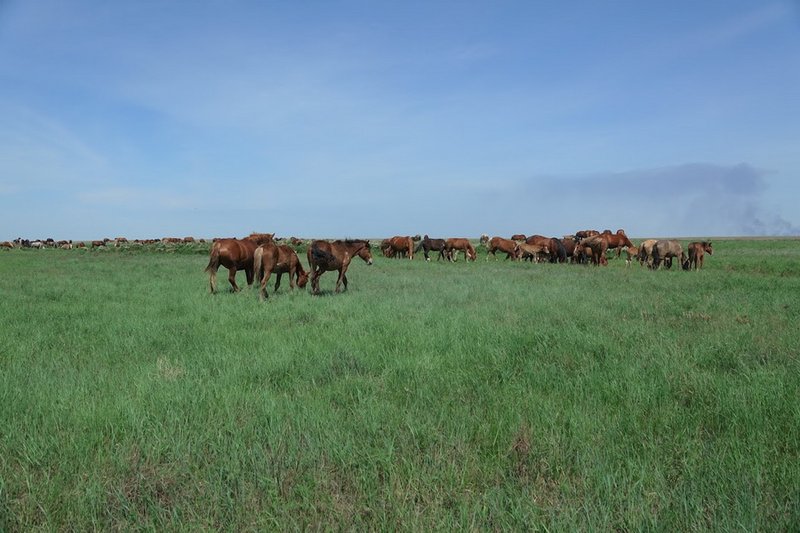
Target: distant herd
260,254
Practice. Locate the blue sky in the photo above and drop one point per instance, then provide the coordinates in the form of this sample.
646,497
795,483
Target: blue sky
364,118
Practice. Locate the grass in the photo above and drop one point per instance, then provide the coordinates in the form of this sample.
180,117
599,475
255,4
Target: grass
491,395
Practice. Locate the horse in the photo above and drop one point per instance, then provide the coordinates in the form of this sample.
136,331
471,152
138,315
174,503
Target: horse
616,240
558,252
646,251
583,234
484,239
508,247
396,246
324,256
270,258
427,244
664,250
697,250
518,237
460,244
631,252
532,252
6,244
568,242
593,248
234,254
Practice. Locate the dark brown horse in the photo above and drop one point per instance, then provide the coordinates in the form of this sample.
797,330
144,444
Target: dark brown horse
455,245
437,245
506,246
272,259
324,256
234,254
697,250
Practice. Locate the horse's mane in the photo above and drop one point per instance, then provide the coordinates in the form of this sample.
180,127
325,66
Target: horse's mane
352,241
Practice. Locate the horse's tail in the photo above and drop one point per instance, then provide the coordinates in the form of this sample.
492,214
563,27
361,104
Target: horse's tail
213,259
213,265
257,263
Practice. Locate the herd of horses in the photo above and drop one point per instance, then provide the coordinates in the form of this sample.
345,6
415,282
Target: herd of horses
260,256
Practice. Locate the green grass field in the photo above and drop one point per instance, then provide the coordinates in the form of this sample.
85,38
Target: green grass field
430,396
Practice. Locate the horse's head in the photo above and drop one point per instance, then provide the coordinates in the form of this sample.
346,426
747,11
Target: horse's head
302,279
707,248
365,253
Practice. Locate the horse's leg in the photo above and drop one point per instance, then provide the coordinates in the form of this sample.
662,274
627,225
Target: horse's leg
315,280
262,293
249,274
278,281
232,278
344,280
339,280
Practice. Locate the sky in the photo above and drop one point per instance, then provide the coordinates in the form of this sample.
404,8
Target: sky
376,118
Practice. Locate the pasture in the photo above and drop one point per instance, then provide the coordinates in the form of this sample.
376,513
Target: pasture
486,395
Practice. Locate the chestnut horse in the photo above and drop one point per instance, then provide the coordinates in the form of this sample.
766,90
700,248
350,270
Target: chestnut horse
234,254
427,244
397,246
325,256
616,240
269,258
508,247
459,244
696,253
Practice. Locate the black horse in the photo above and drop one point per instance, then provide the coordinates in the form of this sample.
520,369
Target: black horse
427,244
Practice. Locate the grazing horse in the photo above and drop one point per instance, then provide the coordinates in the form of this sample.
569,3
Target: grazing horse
460,244
532,252
616,240
593,248
631,252
646,251
234,254
324,256
568,242
508,247
437,245
272,259
397,246
664,250
696,252
484,239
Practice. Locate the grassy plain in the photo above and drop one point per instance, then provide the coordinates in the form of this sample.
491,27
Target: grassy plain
491,395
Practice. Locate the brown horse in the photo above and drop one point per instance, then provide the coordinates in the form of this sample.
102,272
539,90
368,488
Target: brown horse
459,244
397,246
506,246
324,256
271,259
697,250
616,240
518,237
593,249
234,254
